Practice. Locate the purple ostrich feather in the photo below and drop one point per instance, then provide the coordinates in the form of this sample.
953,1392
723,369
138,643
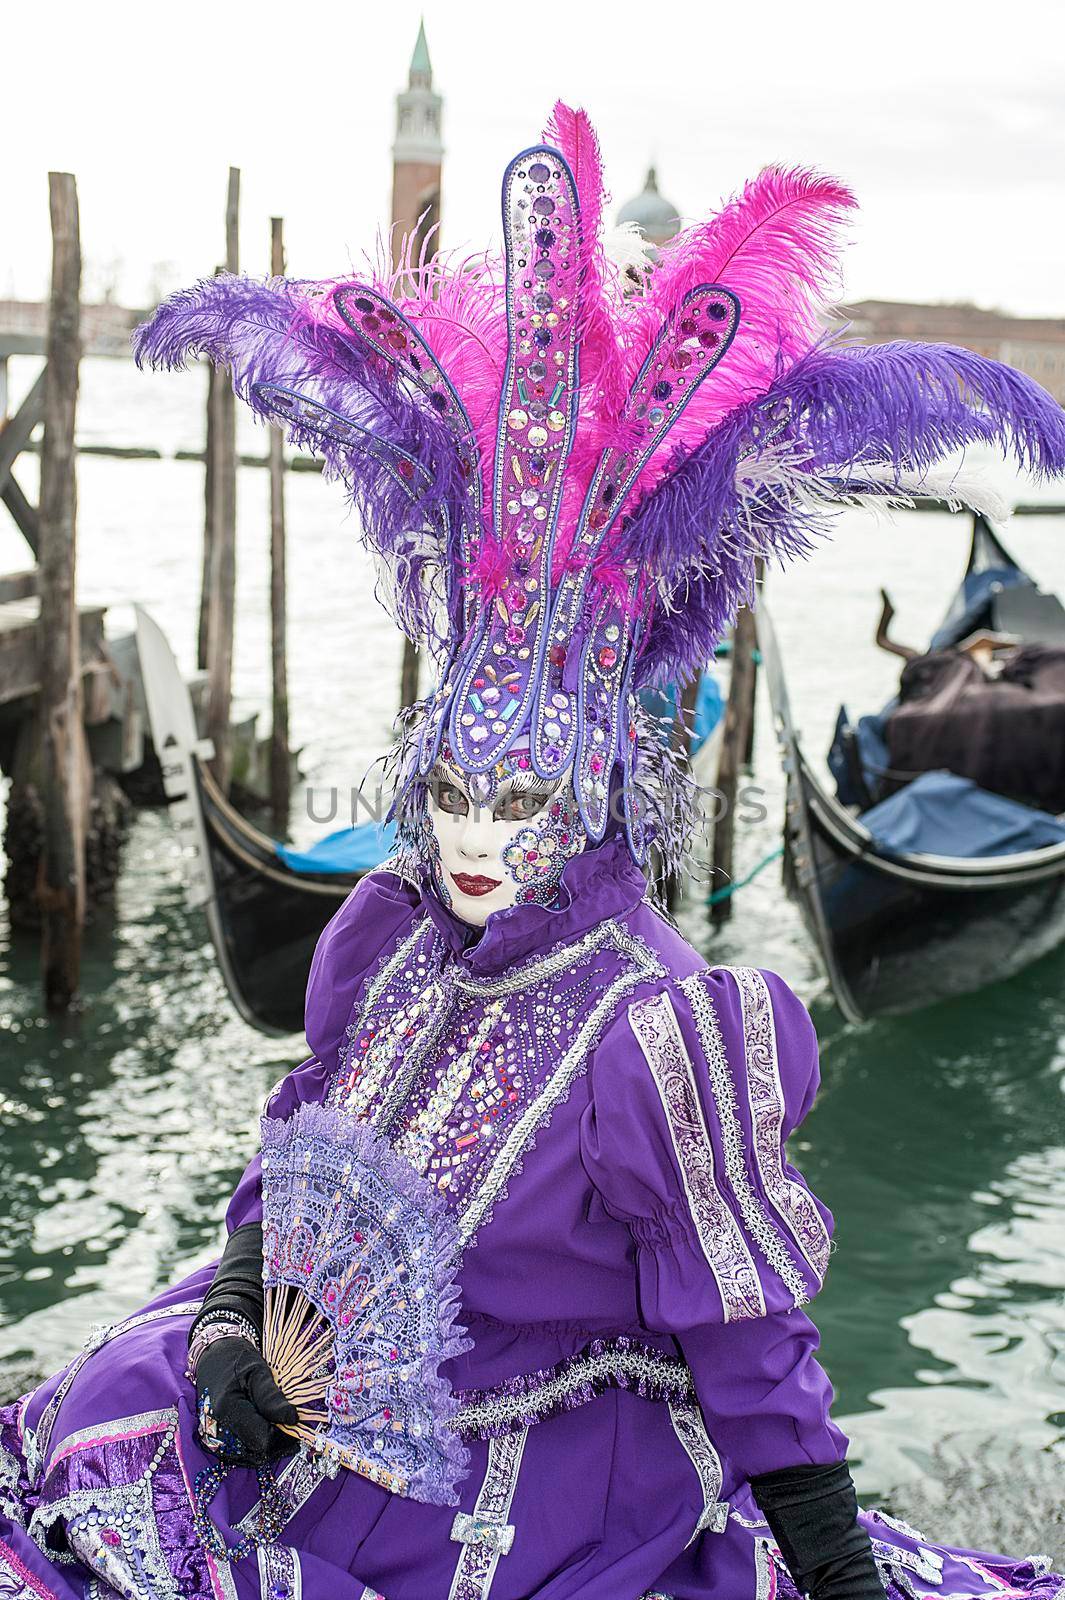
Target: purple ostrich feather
900,407
263,334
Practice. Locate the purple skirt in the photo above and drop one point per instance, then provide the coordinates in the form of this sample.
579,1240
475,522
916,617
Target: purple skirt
97,1485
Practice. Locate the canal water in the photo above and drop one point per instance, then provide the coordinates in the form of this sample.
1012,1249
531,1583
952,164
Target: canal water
938,1139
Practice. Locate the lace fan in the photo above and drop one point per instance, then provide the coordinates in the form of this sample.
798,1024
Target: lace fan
360,1302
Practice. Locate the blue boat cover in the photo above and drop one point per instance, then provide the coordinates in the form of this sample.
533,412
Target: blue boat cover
347,850
940,814
872,752
709,709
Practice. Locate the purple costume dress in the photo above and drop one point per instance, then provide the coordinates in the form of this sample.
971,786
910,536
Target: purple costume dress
637,1253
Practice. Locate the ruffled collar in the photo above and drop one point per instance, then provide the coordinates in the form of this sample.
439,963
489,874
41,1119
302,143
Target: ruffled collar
596,885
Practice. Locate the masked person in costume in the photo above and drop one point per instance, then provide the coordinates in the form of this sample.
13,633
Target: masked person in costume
568,1356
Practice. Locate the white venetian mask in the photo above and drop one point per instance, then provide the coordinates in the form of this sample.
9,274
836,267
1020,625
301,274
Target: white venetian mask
500,838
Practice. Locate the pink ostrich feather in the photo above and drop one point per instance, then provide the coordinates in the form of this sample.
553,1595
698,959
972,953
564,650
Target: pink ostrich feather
777,246
604,380
457,303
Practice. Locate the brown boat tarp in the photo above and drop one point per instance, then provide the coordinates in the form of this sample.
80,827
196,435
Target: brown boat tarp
1006,733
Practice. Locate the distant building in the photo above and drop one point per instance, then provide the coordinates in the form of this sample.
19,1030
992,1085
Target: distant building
658,218
417,154
1034,345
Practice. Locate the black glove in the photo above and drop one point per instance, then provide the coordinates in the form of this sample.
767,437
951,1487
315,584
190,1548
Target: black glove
238,1283
812,1513
239,1402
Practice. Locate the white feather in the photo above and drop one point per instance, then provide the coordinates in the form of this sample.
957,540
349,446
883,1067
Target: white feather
783,470
625,246
956,485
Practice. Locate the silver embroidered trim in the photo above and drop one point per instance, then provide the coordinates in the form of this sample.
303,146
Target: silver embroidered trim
657,1031
37,1440
644,966
222,1576
379,1073
280,1574
690,1429
295,1483
378,984
476,1567
397,1091
104,1432
764,1582
925,1563
897,1525
759,1224
143,1575
748,1522
792,1201
529,973
504,1410
11,1506
896,1578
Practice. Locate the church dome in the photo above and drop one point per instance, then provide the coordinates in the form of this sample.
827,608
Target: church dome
657,217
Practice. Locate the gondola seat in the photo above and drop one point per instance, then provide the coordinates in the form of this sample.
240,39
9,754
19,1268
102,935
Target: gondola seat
347,850
941,814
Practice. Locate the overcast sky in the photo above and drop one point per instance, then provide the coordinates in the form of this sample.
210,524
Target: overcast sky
947,119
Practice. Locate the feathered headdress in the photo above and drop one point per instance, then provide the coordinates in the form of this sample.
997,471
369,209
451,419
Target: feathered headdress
567,483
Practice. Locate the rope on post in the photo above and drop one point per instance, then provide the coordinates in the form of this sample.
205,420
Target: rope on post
730,889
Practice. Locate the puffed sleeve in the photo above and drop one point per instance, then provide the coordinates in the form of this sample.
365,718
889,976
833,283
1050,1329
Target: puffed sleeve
375,915
694,1093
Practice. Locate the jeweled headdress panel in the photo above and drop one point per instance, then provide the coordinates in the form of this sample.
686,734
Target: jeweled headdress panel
567,476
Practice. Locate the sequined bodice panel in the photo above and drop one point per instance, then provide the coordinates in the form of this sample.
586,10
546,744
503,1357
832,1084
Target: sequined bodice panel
460,1071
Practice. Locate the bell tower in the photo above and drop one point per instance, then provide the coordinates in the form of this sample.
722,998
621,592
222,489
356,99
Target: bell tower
416,159
417,153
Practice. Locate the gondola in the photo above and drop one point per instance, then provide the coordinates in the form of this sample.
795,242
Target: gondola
266,905
899,930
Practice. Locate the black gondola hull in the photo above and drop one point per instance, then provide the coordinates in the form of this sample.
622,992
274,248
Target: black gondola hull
895,944
265,918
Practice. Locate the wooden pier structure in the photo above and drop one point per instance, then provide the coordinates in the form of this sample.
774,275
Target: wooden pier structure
72,722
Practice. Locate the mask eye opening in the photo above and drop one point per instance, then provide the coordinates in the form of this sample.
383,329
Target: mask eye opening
447,796
521,805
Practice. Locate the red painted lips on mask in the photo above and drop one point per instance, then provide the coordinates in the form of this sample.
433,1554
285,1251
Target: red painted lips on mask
471,883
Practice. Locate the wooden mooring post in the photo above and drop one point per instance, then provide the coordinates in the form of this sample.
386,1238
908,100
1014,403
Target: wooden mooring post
408,674
280,765
213,380
222,582
736,746
64,760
